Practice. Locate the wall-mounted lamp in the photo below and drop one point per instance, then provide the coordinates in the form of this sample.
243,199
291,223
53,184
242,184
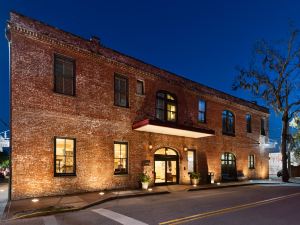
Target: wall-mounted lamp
150,147
185,149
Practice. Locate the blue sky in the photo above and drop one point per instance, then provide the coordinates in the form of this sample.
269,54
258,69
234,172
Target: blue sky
201,40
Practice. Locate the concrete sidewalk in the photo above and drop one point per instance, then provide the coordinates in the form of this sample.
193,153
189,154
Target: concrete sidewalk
51,205
3,196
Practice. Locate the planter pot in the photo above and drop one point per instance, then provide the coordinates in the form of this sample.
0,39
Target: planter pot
145,185
195,181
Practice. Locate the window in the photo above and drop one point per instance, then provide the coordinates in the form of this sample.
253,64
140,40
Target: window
64,75
64,156
120,158
191,161
251,162
248,121
166,107
202,111
140,87
262,127
121,91
228,122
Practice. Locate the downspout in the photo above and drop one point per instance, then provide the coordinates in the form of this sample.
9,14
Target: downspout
8,37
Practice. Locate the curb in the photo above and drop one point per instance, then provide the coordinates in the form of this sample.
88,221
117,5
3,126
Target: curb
52,212
228,186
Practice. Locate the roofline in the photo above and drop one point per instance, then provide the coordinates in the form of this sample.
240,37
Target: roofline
254,106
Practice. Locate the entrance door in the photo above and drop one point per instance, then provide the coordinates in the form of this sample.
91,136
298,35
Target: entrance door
166,166
228,167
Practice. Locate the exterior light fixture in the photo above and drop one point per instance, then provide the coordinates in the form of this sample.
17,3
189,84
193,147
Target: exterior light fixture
149,189
195,185
101,193
218,183
185,149
150,147
35,200
1,190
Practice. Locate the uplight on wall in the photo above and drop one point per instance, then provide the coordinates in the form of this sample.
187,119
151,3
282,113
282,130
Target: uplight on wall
150,146
35,200
185,149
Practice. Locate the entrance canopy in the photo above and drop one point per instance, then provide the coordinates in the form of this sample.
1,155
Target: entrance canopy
155,126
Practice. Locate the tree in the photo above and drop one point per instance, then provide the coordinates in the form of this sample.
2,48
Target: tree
295,137
273,75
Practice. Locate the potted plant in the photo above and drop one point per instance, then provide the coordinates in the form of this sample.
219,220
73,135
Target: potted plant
145,180
195,178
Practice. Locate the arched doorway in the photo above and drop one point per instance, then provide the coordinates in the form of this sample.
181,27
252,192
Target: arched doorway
228,167
166,166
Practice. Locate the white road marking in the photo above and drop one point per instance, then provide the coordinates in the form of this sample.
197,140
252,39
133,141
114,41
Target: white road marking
50,220
118,217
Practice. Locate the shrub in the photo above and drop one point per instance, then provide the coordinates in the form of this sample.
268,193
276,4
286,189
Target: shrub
4,164
195,175
144,177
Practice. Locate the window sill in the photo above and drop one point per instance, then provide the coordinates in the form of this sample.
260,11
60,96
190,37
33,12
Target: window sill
66,95
229,134
121,175
121,107
140,95
65,175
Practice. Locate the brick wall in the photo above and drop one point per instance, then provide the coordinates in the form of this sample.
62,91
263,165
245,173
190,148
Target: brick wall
39,114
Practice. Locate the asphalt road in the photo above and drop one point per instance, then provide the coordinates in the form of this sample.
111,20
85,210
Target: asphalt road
265,205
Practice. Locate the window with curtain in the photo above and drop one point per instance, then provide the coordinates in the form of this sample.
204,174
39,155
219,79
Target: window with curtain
251,162
191,161
120,157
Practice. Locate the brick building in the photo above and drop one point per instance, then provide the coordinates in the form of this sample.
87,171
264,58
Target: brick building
85,117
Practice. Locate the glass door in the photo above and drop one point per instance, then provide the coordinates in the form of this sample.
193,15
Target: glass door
171,173
166,166
160,172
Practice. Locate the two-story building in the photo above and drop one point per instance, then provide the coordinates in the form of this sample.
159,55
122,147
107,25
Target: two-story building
85,117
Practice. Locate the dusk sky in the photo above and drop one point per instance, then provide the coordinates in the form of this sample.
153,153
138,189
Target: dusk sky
200,40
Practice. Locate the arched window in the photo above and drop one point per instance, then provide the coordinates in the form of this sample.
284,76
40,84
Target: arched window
166,107
228,122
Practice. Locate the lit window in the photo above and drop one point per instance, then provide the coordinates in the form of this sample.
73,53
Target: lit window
251,162
166,107
191,161
140,87
248,121
227,122
120,158
64,156
64,75
202,111
121,91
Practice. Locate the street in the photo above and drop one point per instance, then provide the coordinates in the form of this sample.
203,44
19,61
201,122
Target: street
258,204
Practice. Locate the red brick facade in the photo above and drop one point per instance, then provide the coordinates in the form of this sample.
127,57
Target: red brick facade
38,114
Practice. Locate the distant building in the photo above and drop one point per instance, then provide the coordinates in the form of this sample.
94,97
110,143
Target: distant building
86,118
